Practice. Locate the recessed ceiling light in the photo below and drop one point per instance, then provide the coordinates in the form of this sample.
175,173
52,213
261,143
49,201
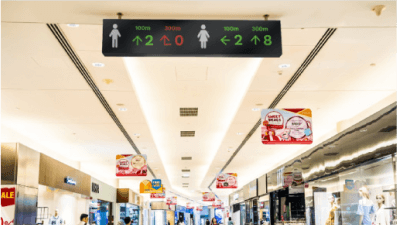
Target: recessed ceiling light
284,66
256,109
363,130
123,109
185,175
97,64
73,25
239,133
332,146
137,134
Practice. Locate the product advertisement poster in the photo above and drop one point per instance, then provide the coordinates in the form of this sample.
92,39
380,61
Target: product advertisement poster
8,193
145,187
208,197
189,205
131,165
292,179
158,195
217,204
199,208
287,126
226,180
171,200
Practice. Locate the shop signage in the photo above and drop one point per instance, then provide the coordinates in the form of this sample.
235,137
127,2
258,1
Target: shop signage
131,165
217,204
158,195
8,193
208,197
198,38
95,187
171,200
286,126
145,187
235,197
69,180
226,180
156,184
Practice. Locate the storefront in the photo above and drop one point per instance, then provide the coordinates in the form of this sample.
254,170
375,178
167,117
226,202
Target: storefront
130,205
264,201
102,204
251,202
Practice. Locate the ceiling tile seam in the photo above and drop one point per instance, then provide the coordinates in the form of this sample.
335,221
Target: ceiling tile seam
56,30
327,35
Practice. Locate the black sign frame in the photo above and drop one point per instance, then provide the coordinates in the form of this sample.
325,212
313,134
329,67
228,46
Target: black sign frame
189,38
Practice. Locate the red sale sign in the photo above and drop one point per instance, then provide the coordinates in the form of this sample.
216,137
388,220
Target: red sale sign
208,197
8,193
287,126
226,180
158,195
199,208
171,200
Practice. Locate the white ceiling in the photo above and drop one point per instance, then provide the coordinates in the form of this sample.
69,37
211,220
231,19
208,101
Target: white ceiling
57,108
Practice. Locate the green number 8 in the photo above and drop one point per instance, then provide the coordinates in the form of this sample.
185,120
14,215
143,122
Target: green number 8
268,40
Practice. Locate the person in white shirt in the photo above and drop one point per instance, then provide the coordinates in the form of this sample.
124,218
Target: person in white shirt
55,219
83,219
381,215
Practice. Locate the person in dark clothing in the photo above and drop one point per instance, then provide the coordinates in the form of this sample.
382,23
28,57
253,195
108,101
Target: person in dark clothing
207,222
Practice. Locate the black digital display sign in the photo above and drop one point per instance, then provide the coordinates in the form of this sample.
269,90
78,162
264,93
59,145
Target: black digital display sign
196,38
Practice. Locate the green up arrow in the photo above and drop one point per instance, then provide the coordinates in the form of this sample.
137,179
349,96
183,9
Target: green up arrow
137,39
255,38
224,40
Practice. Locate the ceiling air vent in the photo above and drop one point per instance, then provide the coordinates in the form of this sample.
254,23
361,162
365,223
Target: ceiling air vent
188,133
188,111
185,183
388,129
186,170
187,158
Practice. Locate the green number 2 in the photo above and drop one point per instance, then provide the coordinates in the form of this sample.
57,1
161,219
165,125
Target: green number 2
239,39
268,40
150,41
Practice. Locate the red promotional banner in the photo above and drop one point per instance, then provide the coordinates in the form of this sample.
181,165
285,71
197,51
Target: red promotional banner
189,205
287,126
7,196
217,204
131,165
199,208
158,195
226,180
208,196
171,200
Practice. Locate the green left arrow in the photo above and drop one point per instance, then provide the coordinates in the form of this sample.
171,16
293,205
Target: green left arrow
137,39
224,40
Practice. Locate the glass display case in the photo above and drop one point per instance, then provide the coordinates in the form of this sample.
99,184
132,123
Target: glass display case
129,210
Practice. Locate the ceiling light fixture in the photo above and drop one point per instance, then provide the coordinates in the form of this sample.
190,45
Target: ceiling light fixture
284,66
185,176
97,64
256,109
137,134
123,109
73,25
239,133
363,130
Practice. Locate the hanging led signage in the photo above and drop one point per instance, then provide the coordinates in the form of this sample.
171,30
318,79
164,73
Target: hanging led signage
131,165
208,197
226,180
287,126
198,38
156,184
69,180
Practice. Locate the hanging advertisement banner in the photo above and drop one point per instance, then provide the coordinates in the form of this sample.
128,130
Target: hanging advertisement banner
145,187
217,204
286,126
158,195
131,165
189,205
199,208
226,180
208,197
171,200
8,193
156,184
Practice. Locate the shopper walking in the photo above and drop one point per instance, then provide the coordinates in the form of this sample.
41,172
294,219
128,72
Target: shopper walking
83,219
127,220
230,221
207,222
56,219
213,221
